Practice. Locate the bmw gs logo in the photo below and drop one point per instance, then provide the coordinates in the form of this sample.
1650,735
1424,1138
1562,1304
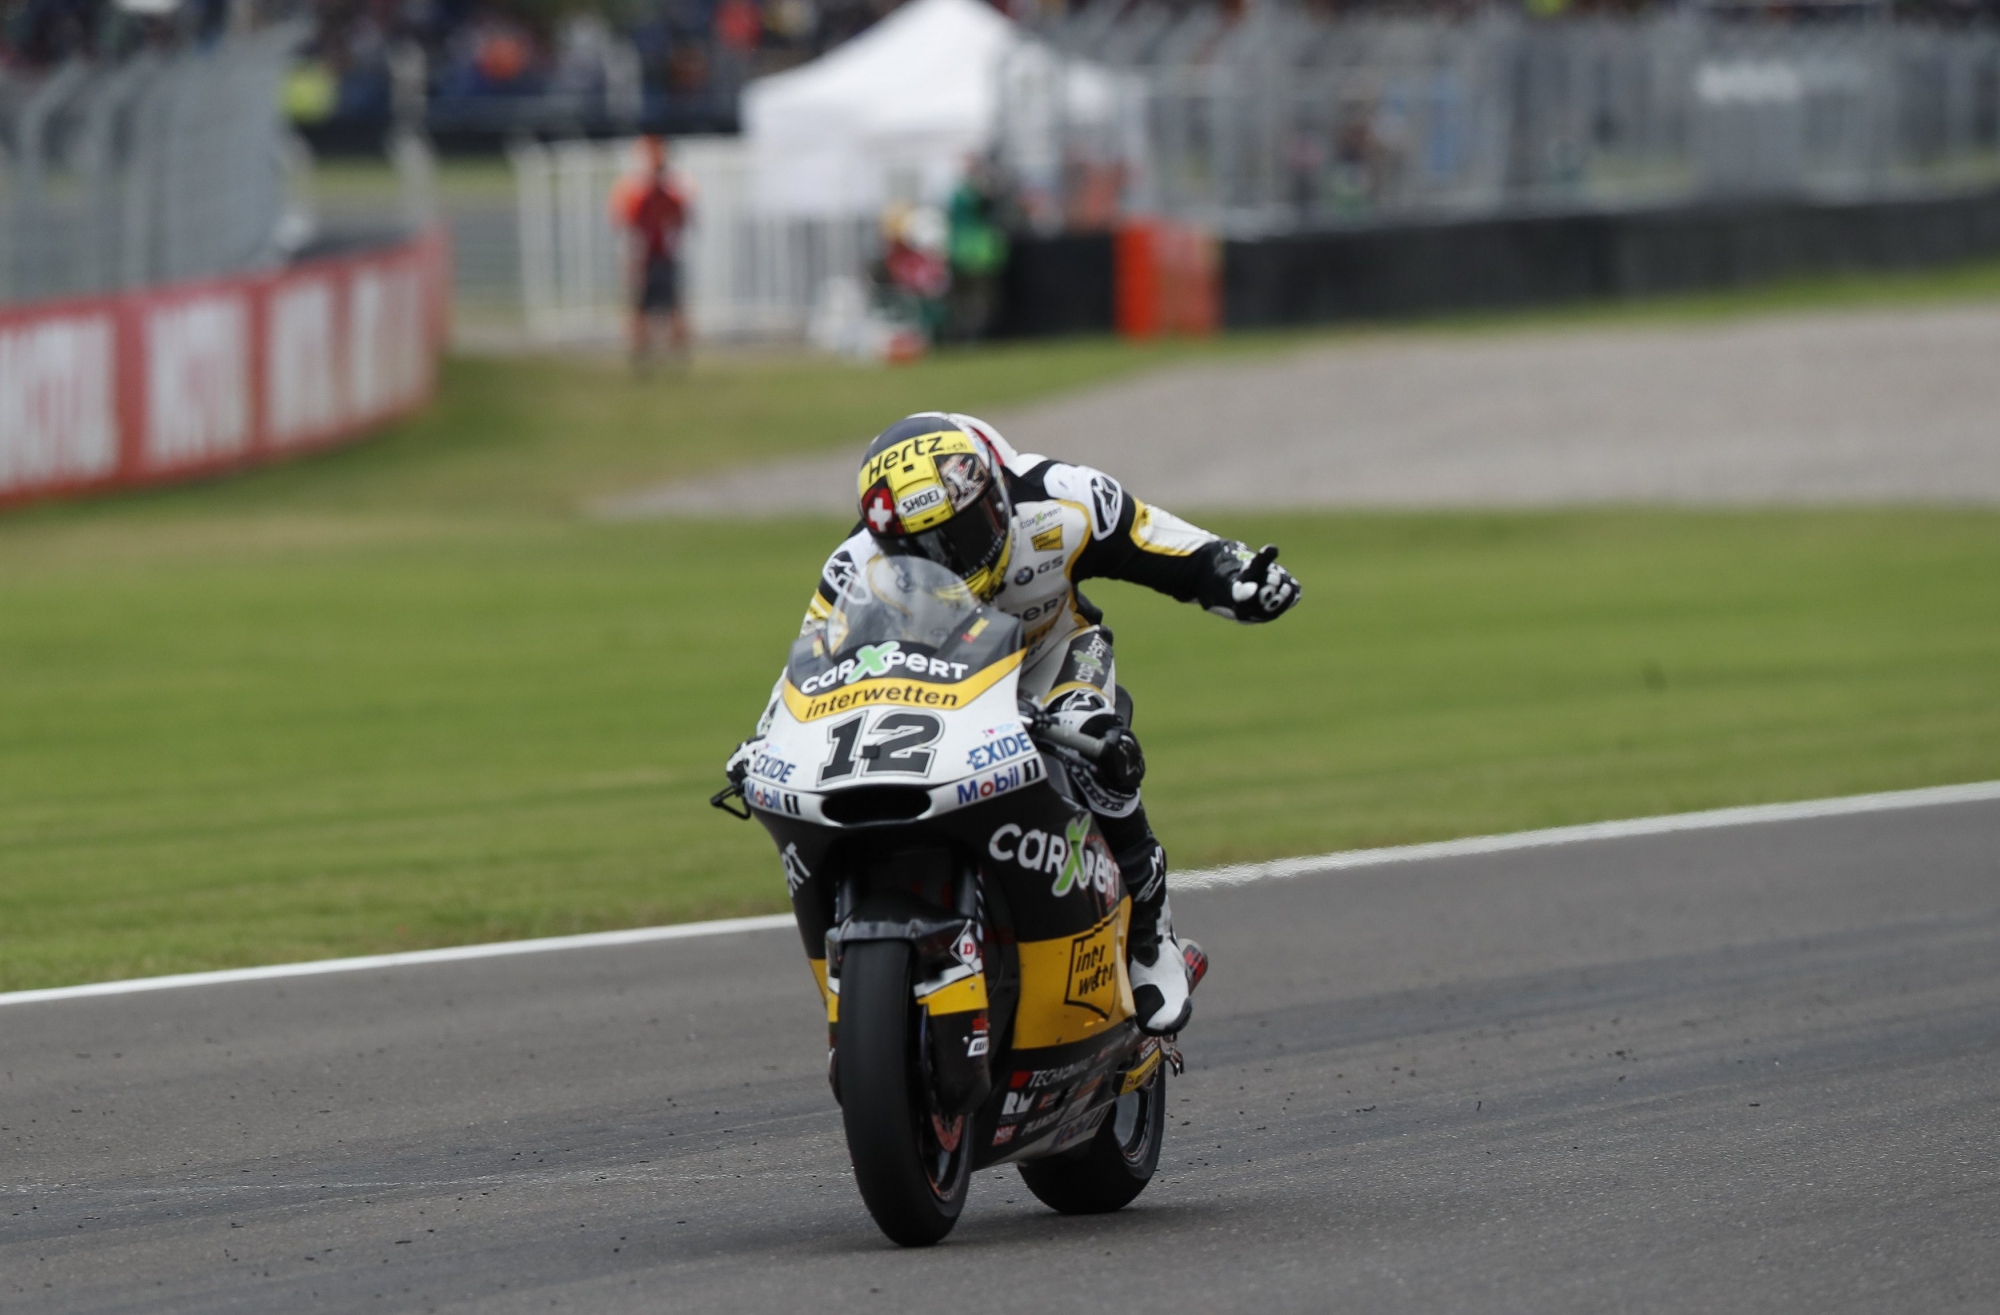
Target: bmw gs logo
1023,575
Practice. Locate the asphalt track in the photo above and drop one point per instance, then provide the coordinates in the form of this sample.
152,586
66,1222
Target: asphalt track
1747,1069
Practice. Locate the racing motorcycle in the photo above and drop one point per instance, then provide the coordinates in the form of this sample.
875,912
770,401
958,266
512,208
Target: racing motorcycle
972,919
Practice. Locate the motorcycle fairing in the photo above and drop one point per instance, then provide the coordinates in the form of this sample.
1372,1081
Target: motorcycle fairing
898,734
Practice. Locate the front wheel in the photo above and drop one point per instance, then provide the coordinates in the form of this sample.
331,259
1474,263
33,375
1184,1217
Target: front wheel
1110,1170
912,1163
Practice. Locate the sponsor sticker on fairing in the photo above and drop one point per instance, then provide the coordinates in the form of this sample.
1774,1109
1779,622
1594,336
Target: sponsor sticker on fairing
796,872
873,661
1026,772
1093,970
1081,1129
1077,858
1035,1079
771,767
1002,749
770,800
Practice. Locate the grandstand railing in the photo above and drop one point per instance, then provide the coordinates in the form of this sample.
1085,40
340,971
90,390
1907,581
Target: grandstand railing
1282,119
157,169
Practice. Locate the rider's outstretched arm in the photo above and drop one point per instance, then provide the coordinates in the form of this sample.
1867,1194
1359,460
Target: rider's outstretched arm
1131,540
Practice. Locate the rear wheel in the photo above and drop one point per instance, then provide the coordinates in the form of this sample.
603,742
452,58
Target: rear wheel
1112,1168
911,1163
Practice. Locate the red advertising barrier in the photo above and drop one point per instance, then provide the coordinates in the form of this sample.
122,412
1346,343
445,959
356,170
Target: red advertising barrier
1166,278
194,378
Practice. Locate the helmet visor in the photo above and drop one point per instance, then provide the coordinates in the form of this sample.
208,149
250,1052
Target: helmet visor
969,543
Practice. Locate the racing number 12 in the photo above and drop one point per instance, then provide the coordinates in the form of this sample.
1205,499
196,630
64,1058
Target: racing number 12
896,742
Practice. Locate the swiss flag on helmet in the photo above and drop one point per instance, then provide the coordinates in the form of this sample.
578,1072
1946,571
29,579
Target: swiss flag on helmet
878,511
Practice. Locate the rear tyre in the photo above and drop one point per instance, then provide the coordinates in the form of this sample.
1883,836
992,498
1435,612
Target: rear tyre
1110,1170
912,1164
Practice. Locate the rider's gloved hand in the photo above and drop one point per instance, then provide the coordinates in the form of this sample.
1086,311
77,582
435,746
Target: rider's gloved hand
1261,591
738,766
1122,766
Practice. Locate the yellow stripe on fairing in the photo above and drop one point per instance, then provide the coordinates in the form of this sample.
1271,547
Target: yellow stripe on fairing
898,691
962,996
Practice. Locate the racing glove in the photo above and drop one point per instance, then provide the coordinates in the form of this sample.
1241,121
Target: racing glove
1258,590
1122,765
738,766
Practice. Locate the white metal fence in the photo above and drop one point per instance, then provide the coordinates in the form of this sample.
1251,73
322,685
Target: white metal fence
159,168
744,274
1284,119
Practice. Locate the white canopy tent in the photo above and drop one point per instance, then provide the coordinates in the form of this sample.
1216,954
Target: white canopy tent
894,113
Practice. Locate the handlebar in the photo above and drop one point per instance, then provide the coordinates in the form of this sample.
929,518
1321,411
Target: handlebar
1044,727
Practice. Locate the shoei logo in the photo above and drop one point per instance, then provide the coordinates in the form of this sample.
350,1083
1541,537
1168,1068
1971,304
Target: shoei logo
1077,863
1093,970
910,505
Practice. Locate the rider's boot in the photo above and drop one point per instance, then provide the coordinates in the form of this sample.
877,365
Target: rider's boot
1155,960
1160,968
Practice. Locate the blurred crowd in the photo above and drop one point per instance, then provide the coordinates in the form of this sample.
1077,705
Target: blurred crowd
941,271
639,59
40,34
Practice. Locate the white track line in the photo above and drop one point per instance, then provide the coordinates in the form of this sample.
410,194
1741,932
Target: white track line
1240,873
408,959
1199,879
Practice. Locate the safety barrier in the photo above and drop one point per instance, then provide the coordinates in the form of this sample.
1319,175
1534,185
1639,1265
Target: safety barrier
1530,260
196,378
1105,282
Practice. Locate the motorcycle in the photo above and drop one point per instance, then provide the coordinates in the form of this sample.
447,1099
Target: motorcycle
964,919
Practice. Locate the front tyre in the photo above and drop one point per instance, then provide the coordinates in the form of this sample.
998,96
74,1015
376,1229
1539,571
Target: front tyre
912,1164
1112,1168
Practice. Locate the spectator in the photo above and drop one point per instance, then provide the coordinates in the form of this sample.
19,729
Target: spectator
977,247
654,208
913,277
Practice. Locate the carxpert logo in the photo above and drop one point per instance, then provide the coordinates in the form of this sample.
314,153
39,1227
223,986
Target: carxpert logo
1093,969
873,661
1077,858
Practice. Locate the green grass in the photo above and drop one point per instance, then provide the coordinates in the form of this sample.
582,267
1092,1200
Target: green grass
403,695
261,752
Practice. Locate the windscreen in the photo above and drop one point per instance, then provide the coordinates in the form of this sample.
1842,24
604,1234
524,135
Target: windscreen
906,618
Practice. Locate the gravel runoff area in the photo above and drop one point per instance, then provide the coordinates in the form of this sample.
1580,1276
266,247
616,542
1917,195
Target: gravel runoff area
1883,405
1740,1070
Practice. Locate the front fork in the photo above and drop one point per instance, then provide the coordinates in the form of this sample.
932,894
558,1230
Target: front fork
947,983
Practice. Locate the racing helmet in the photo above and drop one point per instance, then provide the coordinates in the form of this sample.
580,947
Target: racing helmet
930,488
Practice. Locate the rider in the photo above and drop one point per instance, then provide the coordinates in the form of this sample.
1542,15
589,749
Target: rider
1022,530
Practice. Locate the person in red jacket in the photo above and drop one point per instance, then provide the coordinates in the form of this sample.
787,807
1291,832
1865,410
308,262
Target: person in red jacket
655,210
